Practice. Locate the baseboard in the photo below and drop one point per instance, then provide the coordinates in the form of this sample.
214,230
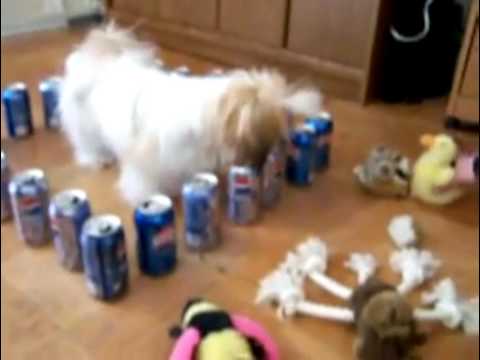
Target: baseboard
86,20
44,23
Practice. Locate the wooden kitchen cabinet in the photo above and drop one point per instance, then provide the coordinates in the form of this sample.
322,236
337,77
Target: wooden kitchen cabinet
202,14
333,30
333,43
464,100
146,9
264,21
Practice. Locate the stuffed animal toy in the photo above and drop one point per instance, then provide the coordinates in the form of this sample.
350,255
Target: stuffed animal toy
385,323
386,172
209,333
434,172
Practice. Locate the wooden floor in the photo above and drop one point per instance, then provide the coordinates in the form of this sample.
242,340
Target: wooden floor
47,313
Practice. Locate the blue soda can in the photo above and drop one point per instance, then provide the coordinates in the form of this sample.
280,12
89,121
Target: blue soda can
273,176
201,201
6,175
69,211
243,195
18,112
156,243
30,199
50,91
323,126
105,257
301,156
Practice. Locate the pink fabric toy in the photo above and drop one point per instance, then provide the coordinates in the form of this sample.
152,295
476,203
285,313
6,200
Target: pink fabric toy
187,344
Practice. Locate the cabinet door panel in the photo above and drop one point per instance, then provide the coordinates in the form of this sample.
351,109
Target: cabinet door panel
333,30
201,13
258,20
470,81
146,8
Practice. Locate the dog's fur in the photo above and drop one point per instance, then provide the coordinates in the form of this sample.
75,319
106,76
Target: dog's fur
118,104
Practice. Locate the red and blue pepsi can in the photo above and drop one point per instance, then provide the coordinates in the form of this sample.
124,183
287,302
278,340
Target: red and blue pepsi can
6,176
18,112
156,242
201,201
50,91
105,257
30,199
323,126
301,156
69,211
273,175
243,195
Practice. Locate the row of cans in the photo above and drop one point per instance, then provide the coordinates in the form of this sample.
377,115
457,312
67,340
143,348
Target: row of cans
309,149
18,108
251,189
95,244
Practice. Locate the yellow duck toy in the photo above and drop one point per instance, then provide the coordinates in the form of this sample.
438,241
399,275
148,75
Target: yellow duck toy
434,171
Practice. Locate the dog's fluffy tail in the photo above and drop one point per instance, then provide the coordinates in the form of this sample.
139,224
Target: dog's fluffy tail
306,101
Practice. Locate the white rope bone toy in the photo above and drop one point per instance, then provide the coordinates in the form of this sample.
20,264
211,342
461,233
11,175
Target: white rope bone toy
284,286
286,291
449,309
415,266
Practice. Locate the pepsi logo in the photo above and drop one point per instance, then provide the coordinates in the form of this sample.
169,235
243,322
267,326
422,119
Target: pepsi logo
163,237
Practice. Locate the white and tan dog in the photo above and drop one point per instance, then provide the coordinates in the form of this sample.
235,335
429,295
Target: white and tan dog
118,104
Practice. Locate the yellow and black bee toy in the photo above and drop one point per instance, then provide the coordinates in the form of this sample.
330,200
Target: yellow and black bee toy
209,333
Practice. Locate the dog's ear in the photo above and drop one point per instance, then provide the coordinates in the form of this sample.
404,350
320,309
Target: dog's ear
250,121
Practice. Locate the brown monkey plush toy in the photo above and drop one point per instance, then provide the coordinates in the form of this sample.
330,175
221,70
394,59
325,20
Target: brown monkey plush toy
385,323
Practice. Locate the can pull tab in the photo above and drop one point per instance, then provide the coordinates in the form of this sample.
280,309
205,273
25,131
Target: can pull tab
147,204
105,228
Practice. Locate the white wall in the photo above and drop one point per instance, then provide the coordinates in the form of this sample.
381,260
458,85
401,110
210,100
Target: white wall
29,15
76,8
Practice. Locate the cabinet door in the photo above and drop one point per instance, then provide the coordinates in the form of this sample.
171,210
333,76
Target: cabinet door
200,13
333,30
258,20
470,81
144,8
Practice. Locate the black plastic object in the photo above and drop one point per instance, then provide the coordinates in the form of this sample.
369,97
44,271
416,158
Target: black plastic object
453,123
421,53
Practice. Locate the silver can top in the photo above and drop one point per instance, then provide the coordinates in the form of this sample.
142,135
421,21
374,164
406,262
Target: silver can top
242,170
202,181
208,178
29,183
325,115
52,82
17,86
68,201
31,176
305,128
103,225
156,205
